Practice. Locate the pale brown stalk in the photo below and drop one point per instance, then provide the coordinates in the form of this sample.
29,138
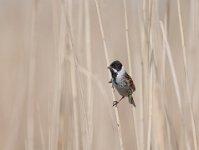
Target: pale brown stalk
186,75
107,63
89,66
148,33
55,112
130,67
168,52
30,103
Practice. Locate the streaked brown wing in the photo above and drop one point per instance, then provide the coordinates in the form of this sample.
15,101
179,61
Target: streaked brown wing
132,85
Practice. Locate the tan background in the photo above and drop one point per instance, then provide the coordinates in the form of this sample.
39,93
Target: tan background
54,91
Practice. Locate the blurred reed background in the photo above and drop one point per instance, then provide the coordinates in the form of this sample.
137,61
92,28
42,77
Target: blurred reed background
54,91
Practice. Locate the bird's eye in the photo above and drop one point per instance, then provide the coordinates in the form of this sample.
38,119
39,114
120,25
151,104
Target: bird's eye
119,66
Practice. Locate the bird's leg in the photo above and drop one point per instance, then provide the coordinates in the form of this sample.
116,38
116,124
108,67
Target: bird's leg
116,102
121,99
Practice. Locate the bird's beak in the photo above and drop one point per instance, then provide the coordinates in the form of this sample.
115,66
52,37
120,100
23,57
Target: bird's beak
109,67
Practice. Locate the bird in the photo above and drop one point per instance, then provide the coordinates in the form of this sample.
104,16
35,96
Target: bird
122,82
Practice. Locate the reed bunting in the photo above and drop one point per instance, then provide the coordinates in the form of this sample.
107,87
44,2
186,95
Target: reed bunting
122,82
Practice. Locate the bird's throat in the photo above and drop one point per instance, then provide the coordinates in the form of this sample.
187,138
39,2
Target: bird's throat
114,75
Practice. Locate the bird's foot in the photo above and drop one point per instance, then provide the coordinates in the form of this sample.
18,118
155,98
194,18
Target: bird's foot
115,103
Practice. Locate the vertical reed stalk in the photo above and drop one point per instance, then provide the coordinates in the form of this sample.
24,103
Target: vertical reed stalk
74,94
69,22
84,120
168,52
150,107
144,71
174,77
107,62
40,128
130,67
186,76
168,129
56,41
30,103
55,116
88,64
148,34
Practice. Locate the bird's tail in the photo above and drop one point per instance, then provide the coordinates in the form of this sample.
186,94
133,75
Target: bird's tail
131,101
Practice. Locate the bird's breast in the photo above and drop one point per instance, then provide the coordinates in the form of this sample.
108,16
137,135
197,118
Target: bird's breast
122,86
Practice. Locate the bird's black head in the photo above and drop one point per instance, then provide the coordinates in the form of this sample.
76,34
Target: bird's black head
115,67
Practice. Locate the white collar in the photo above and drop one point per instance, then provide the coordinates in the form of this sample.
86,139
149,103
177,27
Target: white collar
121,72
